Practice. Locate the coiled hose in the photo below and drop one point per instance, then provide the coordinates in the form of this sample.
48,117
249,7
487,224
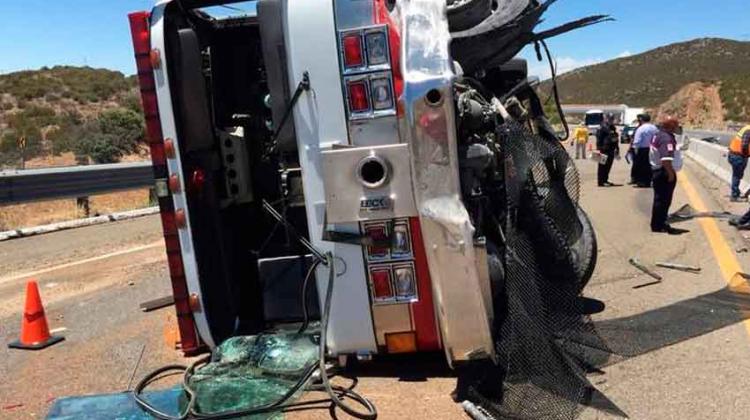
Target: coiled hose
334,392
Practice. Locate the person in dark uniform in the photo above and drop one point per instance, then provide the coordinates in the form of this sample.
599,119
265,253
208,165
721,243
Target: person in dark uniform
607,145
641,148
666,161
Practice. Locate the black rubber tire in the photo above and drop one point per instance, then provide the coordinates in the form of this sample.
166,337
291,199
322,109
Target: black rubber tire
496,39
585,250
465,14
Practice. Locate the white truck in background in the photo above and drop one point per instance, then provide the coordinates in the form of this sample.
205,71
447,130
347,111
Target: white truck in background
630,116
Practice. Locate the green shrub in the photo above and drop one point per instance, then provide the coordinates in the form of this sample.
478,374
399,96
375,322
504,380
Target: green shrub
132,101
124,126
102,148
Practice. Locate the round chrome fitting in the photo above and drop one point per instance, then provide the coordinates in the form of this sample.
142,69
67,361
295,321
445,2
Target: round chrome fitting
373,171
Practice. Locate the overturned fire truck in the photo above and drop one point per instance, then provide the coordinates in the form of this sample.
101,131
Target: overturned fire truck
396,144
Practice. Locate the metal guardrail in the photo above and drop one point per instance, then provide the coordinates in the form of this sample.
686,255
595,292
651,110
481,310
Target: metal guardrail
722,136
22,186
713,158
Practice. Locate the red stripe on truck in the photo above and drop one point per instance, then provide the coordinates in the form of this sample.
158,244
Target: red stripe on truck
139,27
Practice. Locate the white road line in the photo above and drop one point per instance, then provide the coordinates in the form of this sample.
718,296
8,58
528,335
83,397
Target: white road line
81,262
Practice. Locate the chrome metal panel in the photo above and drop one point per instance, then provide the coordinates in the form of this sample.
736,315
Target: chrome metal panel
446,227
375,132
367,66
391,319
346,196
371,114
353,13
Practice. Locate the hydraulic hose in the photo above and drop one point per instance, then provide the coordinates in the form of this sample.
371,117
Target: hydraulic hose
334,392
371,413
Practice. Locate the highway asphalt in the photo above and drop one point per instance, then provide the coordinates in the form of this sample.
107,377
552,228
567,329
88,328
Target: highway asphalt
687,342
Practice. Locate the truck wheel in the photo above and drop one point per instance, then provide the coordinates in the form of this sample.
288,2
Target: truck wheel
497,38
585,250
464,14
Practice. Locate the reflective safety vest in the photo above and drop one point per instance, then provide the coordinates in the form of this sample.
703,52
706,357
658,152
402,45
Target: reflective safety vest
581,134
740,144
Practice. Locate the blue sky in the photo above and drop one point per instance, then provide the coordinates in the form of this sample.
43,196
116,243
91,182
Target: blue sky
36,33
640,25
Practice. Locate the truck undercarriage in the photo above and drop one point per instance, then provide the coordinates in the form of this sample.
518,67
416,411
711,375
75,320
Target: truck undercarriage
396,146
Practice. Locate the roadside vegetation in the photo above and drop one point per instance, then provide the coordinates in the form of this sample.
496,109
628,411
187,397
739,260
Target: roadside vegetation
735,94
94,114
650,79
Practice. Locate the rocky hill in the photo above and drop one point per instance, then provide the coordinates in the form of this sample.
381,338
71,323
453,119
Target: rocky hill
665,78
92,114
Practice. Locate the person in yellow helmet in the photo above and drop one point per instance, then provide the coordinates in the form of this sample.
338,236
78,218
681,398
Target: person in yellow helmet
580,140
739,151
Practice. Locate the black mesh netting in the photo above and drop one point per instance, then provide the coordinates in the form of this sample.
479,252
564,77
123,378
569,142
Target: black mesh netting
545,343
545,346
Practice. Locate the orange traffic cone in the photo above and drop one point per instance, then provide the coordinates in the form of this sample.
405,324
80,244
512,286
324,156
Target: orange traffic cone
34,330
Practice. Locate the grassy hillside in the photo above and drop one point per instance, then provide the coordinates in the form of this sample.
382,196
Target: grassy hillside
81,84
650,78
93,113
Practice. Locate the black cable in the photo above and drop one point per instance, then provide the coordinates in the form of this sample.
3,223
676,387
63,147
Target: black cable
335,393
371,413
304,241
306,319
302,86
190,412
236,9
147,407
555,92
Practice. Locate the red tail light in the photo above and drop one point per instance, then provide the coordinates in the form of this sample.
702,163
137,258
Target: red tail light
353,56
380,279
169,149
359,100
377,233
174,183
197,180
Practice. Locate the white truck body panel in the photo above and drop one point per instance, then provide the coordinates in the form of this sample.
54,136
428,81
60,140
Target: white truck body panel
169,130
320,122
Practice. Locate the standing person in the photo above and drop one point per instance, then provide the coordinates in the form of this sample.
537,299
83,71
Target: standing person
641,149
739,150
608,146
580,140
665,161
